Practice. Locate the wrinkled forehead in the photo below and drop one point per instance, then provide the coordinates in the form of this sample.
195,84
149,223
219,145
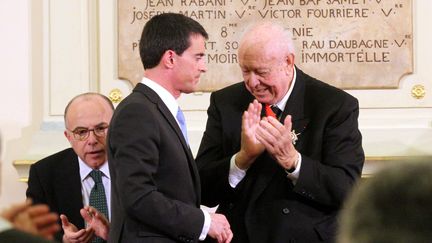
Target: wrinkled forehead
261,52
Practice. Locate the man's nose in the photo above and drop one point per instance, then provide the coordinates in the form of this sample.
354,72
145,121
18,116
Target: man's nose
203,67
253,80
92,139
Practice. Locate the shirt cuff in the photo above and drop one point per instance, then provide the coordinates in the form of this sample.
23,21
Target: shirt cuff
4,225
293,176
235,173
206,226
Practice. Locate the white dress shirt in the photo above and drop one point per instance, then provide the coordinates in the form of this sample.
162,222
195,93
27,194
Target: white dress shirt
4,225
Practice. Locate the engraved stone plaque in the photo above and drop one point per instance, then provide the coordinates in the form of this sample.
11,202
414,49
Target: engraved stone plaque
351,44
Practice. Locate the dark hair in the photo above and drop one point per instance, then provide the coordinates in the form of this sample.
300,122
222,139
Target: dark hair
167,31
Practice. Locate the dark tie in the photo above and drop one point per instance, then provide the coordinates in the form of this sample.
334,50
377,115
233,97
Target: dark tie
97,197
273,111
181,119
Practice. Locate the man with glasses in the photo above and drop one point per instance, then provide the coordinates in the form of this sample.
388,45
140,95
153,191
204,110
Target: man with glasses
75,182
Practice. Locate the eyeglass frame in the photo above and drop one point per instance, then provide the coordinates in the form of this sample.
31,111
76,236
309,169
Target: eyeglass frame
102,126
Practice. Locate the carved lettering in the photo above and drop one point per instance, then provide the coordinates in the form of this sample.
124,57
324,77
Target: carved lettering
348,43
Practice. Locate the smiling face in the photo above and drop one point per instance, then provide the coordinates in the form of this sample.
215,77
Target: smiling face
267,63
88,112
190,65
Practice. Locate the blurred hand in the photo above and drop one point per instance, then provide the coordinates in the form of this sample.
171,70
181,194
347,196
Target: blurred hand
220,229
34,219
96,220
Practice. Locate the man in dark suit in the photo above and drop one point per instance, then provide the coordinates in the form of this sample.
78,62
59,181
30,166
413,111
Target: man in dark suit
155,183
63,180
283,177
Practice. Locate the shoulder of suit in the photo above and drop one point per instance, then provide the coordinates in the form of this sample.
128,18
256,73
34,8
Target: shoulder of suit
319,88
237,87
56,159
237,90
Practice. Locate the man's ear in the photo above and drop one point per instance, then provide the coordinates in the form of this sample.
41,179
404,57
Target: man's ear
68,136
168,58
290,59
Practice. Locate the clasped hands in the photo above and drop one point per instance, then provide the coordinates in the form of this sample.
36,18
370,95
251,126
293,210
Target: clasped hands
96,225
33,219
267,134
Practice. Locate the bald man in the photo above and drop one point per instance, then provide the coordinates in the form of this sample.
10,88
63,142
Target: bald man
63,180
281,150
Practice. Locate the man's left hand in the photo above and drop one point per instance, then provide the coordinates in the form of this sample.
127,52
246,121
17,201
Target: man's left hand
277,139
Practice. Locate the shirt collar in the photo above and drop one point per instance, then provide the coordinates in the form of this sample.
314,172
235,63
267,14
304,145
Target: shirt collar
167,98
85,169
282,103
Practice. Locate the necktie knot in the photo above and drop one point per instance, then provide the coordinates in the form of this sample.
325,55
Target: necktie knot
96,175
273,111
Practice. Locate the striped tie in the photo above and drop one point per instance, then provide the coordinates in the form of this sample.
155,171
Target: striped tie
98,198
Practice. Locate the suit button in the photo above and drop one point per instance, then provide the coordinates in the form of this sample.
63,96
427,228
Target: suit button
230,205
285,211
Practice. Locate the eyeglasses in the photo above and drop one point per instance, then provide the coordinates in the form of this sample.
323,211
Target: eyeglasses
82,134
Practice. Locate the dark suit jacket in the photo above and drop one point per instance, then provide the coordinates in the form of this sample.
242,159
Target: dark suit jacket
55,181
155,183
16,236
266,206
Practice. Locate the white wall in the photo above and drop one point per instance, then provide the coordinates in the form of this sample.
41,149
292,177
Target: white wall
16,85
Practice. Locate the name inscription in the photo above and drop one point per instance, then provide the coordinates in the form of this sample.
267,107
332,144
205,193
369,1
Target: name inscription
351,44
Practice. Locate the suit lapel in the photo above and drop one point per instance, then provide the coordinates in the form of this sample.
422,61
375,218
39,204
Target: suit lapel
296,106
267,167
68,187
163,109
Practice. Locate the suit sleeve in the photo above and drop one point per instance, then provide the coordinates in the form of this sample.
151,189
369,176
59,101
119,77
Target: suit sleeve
213,160
136,148
328,180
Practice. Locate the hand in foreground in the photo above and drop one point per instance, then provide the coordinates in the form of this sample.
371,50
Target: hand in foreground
72,234
277,139
96,220
220,229
251,147
34,219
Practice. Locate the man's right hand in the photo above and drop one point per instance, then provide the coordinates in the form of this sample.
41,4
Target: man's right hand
220,229
96,220
72,234
250,146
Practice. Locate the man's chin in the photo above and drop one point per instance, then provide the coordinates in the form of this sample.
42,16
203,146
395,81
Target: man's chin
189,90
263,99
95,160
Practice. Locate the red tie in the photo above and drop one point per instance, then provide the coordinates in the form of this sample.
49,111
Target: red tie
269,111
